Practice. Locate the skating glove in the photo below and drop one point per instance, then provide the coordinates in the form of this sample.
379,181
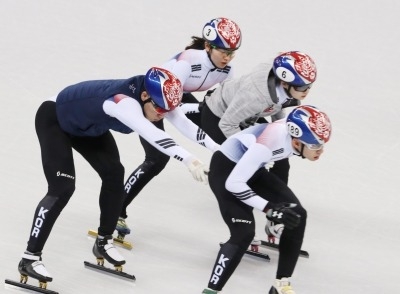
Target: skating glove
282,213
199,171
270,165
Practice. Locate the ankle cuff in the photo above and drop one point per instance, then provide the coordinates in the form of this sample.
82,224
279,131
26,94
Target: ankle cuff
30,256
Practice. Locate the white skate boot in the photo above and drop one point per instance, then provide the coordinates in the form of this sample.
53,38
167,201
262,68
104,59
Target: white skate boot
282,286
103,248
31,266
273,231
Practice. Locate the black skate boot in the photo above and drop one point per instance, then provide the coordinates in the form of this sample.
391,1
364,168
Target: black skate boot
104,249
31,266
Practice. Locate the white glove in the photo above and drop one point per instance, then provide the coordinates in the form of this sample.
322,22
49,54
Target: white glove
199,171
269,165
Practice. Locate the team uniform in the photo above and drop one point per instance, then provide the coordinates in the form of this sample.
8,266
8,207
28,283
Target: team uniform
240,183
197,73
80,117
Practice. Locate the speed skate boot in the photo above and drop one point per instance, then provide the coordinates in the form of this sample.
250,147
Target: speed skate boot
103,248
209,291
282,286
31,265
122,228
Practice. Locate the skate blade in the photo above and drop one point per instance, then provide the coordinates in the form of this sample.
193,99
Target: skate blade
258,254
118,272
119,242
274,246
29,287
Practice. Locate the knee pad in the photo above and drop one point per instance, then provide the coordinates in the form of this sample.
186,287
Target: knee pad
60,192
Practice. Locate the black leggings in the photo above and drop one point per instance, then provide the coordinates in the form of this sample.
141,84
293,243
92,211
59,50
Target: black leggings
154,161
58,165
209,123
240,220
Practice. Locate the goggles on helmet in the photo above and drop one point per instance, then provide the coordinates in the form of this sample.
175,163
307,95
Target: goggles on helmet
313,146
302,88
227,52
157,108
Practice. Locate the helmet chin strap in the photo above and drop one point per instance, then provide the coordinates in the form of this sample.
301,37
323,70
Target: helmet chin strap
287,91
300,151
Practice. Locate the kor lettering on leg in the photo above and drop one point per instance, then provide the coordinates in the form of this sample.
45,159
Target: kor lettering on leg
39,222
132,180
219,269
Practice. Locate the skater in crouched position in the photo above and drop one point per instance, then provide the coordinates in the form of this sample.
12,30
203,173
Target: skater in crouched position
265,92
80,117
240,183
203,64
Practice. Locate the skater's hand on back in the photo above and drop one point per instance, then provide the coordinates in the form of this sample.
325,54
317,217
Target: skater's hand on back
283,213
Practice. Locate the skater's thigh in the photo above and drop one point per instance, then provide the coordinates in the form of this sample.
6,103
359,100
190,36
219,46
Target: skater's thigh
239,218
102,154
55,145
271,187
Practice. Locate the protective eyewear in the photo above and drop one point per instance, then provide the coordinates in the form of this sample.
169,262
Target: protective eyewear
302,88
227,52
157,108
313,146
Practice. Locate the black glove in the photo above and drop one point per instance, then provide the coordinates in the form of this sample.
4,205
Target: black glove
248,122
282,213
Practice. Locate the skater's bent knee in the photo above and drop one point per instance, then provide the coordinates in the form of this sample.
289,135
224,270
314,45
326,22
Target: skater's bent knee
242,239
155,166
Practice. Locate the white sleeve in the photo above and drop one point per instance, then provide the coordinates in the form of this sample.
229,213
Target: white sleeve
129,112
190,129
255,157
189,107
181,69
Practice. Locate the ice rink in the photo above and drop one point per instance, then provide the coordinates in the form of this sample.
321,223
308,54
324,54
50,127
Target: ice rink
351,193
